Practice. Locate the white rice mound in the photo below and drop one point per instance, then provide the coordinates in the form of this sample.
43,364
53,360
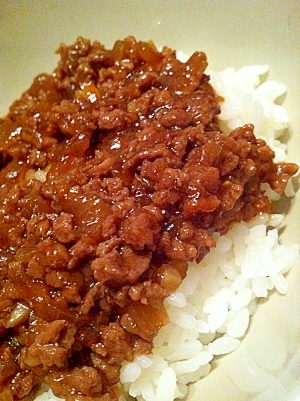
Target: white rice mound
211,310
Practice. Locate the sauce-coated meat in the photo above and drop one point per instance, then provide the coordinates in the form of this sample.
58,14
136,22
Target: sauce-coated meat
114,174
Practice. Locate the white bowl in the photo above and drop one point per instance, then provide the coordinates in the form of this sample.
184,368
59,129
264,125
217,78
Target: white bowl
232,33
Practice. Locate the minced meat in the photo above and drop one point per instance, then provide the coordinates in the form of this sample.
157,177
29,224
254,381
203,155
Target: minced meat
114,174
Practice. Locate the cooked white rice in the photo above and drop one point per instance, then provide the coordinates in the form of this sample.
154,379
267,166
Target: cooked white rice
211,311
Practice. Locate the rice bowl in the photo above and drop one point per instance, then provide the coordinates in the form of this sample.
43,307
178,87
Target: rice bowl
211,311
275,374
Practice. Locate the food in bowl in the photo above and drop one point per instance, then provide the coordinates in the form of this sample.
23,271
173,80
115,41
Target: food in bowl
115,175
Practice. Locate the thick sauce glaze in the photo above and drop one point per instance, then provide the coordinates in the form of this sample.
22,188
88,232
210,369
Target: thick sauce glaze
114,174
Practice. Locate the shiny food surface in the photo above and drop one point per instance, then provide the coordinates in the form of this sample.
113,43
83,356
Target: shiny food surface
114,174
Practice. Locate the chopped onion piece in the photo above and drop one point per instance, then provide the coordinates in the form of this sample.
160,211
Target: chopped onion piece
18,316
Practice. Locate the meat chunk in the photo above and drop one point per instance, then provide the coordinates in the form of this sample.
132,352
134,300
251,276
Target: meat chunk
48,348
63,228
141,230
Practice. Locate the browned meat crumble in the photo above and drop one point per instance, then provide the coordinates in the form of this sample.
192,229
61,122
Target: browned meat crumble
114,174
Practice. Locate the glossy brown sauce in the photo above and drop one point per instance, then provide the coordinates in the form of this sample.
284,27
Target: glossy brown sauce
114,174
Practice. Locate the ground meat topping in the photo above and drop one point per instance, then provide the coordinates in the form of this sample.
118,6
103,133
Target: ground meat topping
114,174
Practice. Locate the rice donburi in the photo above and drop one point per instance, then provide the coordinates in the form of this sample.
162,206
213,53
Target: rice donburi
114,174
